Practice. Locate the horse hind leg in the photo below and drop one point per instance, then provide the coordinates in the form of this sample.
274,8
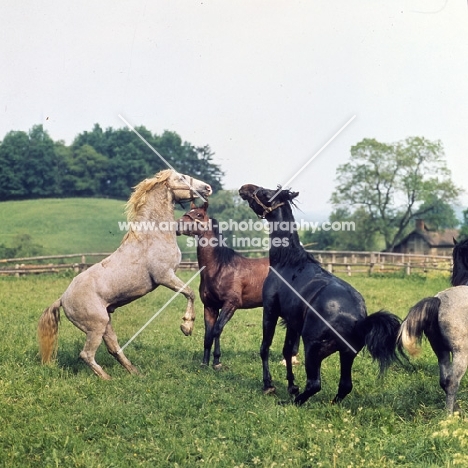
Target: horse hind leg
313,363
459,365
110,340
93,340
346,384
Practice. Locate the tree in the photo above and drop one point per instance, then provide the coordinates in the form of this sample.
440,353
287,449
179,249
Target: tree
464,227
29,166
394,184
85,172
360,235
13,150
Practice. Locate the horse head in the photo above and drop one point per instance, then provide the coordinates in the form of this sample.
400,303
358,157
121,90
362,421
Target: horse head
264,201
184,187
195,222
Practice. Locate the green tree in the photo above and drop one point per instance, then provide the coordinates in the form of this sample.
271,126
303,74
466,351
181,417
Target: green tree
464,227
41,171
394,184
29,166
360,233
13,151
85,172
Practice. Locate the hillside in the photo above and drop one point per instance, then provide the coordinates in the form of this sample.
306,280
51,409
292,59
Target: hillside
69,225
60,226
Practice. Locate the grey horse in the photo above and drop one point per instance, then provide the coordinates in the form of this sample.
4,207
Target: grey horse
147,257
444,320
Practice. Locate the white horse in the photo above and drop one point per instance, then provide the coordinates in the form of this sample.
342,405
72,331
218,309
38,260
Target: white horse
147,257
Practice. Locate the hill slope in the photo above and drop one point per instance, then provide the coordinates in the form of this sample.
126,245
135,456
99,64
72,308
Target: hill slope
61,226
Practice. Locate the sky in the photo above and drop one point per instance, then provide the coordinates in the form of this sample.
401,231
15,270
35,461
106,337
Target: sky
266,83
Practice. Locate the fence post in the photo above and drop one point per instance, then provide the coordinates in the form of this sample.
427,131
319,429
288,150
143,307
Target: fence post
408,268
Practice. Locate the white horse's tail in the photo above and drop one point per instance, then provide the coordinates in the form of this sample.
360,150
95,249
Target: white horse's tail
422,318
47,331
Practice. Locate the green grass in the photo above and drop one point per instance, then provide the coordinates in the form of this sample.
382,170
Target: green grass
179,414
66,226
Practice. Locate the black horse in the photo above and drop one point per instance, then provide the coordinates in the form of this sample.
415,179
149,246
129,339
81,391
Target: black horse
327,312
460,264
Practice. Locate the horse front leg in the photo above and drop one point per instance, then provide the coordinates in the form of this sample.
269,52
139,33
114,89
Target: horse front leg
210,315
227,311
289,350
176,284
269,326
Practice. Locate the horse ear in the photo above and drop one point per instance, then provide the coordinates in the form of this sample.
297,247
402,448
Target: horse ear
192,205
454,241
205,205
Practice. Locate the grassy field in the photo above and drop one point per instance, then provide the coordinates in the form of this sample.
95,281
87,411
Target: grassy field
179,414
66,226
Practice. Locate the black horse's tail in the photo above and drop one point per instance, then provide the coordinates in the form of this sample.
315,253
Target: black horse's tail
380,332
422,318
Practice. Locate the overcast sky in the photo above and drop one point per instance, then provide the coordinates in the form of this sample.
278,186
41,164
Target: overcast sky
265,83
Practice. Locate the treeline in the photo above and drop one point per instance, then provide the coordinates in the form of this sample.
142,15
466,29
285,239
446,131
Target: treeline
99,163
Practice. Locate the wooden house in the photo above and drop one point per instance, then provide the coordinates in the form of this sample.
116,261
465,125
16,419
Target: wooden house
425,241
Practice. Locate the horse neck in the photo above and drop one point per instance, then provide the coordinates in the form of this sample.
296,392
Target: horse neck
207,245
459,275
285,246
159,206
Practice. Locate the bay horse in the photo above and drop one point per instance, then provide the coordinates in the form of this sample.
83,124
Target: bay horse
444,320
228,280
147,257
328,313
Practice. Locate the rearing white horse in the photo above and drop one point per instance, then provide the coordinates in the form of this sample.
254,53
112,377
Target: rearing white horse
147,257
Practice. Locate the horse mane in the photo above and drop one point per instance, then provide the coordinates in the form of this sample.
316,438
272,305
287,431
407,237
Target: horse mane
294,254
140,192
460,268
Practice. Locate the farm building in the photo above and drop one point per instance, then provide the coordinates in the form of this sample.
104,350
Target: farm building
427,241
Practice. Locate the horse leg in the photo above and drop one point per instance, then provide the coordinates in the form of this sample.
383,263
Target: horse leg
224,316
269,326
346,384
93,340
445,367
176,284
459,365
110,340
290,345
313,364
210,315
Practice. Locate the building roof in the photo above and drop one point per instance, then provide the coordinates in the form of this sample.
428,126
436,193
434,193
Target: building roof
432,237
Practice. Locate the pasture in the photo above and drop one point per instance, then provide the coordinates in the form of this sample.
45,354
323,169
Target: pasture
179,414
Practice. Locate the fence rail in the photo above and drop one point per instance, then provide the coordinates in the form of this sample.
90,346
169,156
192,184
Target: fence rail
346,262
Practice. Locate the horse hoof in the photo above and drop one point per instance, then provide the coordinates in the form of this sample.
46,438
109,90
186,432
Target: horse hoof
218,366
293,390
269,390
186,329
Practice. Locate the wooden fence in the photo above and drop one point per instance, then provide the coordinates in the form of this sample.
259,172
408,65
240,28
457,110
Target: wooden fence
334,261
